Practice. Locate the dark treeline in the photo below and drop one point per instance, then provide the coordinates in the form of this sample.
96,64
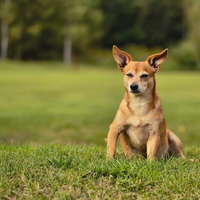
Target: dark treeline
149,22
49,29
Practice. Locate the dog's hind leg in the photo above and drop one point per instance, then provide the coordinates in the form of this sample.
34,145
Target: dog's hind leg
126,144
175,145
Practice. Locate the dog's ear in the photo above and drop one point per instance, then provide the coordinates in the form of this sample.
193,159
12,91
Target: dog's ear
121,57
157,59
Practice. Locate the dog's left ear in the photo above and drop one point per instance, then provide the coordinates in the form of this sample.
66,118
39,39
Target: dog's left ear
121,57
157,59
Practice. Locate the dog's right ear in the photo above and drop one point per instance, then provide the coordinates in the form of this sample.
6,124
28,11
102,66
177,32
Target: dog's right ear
121,57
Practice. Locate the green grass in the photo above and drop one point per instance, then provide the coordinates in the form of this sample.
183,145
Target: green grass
55,104
82,172
49,102
47,108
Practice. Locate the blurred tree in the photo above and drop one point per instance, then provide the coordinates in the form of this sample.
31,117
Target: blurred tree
83,26
121,22
5,16
162,22
193,22
36,31
152,23
42,27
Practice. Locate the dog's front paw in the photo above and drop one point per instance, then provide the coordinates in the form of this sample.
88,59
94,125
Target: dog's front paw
109,158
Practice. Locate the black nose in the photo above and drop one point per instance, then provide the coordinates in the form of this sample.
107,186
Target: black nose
134,86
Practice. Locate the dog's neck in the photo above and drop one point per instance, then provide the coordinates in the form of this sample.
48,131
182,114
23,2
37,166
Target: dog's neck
141,104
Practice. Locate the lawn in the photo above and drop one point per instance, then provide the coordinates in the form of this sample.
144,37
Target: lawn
81,172
53,125
50,103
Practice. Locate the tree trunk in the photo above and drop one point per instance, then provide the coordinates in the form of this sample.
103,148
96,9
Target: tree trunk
4,40
67,53
4,30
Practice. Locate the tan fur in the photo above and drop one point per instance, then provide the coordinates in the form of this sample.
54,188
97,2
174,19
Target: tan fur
139,122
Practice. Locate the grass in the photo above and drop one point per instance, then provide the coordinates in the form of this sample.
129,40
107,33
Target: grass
53,104
48,102
53,122
82,172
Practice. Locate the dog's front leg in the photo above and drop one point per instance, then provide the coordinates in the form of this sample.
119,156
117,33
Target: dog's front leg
112,141
152,144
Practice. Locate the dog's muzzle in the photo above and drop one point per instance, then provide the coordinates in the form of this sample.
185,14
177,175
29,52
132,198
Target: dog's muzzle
134,88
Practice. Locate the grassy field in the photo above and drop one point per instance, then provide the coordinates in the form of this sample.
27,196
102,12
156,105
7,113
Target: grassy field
53,125
49,103
81,172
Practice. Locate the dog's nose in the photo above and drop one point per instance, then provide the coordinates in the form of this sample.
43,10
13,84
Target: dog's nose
134,87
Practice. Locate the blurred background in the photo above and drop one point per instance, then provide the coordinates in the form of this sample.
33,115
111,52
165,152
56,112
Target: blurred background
59,82
82,30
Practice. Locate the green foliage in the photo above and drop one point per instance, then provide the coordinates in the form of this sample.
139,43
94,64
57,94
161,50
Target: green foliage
162,22
193,23
38,30
82,172
185,57
121,22
34,30
83,23
153,23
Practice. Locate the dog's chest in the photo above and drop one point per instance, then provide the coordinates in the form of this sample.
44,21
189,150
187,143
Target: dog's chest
138,130
140,120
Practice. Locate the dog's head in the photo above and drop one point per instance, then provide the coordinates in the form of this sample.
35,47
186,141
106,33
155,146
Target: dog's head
138,76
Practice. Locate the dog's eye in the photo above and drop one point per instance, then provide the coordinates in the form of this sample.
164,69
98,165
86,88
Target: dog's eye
129,75
144,76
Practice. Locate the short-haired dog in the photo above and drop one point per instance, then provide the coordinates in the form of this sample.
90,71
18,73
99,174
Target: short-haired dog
140,123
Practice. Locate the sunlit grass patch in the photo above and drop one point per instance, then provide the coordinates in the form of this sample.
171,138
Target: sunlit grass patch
82,172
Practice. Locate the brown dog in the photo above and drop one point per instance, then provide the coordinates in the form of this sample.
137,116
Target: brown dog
139,121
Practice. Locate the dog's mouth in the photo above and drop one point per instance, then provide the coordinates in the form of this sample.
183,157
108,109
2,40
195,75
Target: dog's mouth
135,91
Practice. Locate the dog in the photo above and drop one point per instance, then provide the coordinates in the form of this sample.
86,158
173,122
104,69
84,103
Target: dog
140,123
